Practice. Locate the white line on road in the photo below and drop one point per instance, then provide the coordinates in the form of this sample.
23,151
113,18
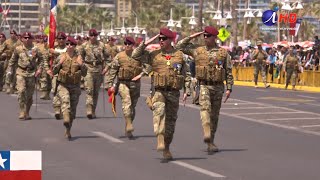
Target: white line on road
106,136
312,104
311,97
310,126
197,169
14,95
286,119
294,112
250,108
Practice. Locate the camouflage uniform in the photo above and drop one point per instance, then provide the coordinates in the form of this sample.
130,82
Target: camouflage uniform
291,67
69,76
3,59
126,68
260,65
94,56
6,49
26,59
170,74
213,67
44,79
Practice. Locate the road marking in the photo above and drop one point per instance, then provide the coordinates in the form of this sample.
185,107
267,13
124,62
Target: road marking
294,112
287,99
13,95
197,169
250,108
313,104
311,97
309,126
286,119
106,136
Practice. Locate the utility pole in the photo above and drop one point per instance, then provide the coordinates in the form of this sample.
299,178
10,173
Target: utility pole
19,16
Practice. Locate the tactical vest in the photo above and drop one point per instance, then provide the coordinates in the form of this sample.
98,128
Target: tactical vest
167,70
129,68
26,62
70,72
93,53
292,62
261,57
210,65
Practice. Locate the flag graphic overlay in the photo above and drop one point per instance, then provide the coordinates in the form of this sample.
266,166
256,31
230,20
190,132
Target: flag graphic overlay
20,165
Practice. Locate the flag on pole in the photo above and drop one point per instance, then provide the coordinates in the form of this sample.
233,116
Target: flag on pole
24,165
298,23
1,9
52,25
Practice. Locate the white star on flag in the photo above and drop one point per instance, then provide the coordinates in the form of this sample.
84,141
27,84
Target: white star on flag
2,161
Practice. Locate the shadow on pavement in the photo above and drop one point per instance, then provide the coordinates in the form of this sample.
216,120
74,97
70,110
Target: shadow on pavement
138,136
83,137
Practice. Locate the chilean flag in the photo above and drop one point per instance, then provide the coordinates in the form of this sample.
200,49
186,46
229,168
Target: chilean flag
52,25
20,165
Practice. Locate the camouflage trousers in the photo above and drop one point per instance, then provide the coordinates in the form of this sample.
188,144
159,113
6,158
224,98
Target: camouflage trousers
92,83
259,67
45,82
291,73
25,87
56,100
210,104
2,74
129,93
165,113
11,81
69,98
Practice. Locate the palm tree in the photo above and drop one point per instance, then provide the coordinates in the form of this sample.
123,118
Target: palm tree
200,14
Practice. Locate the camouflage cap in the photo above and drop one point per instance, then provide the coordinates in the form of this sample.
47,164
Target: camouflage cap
93,32
211,30
259,43
61,35
167,32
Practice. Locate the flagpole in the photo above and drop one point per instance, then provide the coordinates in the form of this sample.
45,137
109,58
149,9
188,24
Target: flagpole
19,16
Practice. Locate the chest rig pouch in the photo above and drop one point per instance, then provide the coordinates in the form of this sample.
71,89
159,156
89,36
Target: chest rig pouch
129,68
168,72
210,65
70,72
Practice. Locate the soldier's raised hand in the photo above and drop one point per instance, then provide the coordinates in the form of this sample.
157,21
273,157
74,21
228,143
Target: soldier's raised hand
196,34
151,39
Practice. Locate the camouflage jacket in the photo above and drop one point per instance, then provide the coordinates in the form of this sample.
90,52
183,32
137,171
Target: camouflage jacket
8,47
53,56
192,50
291,62
28,59
117,63
94,55
159,55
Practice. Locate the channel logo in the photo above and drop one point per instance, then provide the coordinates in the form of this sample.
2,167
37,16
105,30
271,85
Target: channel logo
270,17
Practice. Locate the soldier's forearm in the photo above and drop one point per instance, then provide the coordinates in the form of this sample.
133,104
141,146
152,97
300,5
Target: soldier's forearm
139,51
183,43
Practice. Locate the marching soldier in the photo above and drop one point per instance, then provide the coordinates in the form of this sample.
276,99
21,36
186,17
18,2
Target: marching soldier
55,53
25,57
69,70
260,56
213,66
94,54
128,72
169,76
8,47
291,68
3,62
44,80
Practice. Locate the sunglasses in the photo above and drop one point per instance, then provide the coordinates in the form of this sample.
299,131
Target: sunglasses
61,38
163,38
127,43
69,44
26,38
207,35
93,35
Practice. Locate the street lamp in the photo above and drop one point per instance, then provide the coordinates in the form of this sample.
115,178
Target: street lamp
171,23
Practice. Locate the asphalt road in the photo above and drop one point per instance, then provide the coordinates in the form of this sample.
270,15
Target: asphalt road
263,134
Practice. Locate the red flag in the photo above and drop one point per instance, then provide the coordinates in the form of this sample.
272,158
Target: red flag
52,26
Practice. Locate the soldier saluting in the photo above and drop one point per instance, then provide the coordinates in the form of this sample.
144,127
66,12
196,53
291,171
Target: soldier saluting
26,57
69,70
213,67
169,76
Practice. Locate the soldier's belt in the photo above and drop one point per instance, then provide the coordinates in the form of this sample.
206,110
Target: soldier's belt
210,83
94,63
165,89
29,69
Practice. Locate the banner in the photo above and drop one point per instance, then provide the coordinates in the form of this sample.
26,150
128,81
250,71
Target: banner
298,23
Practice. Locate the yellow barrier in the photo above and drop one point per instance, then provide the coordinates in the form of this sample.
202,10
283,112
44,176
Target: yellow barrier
307,78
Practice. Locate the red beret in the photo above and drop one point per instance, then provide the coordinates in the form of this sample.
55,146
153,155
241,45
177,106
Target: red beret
78,37
71,40
93,32
130,40
12,31
27,34
211,30
166,32
111,38
61,35
3,35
